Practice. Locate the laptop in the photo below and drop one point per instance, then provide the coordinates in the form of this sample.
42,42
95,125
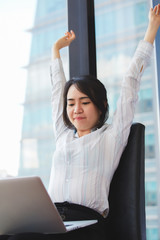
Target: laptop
25,206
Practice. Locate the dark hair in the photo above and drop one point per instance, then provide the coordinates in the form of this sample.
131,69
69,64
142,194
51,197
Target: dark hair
95,90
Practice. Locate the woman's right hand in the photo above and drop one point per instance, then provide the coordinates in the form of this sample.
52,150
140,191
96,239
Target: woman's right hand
63,42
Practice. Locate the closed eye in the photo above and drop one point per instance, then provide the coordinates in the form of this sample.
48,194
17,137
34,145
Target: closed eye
85,103
71,104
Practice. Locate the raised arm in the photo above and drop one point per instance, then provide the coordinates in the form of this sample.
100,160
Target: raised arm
58,81
154,23
124,114
61,43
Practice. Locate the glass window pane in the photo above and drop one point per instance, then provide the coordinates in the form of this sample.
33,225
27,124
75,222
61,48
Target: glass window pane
120,25
37,143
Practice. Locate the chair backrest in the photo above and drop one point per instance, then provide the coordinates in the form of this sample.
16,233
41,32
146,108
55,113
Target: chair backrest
126,219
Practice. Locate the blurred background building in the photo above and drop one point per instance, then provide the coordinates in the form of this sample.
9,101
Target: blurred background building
120,25
37,142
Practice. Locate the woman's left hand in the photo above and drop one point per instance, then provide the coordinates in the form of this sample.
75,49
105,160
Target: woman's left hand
154,16
154,23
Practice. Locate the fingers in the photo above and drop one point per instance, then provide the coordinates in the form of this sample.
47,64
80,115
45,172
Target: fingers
70,35
156,9
73,34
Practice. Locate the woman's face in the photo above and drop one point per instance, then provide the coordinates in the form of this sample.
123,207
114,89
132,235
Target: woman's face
81,111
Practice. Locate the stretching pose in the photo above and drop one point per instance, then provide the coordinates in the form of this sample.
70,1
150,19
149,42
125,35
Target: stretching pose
88,149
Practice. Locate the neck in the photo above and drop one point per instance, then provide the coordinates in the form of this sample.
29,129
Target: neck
83,133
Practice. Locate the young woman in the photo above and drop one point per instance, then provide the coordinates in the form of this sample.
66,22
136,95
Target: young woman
88,150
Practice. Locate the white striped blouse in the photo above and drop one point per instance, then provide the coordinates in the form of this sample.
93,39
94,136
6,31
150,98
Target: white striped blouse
83,167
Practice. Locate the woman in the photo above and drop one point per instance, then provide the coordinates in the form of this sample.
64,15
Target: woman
87,149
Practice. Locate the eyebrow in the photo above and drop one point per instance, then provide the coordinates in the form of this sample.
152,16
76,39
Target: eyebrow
71,99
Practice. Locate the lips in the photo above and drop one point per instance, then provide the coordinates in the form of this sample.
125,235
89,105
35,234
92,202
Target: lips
79,118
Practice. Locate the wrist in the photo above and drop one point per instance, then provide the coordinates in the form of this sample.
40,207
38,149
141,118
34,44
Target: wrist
153,26
55,52
151,33
56,47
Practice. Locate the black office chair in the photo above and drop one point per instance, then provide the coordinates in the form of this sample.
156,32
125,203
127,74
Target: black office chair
126,219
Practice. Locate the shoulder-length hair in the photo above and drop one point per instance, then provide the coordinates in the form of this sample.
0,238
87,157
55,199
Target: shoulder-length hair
95,90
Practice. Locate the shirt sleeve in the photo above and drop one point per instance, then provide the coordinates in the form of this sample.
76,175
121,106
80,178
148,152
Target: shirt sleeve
124,114
58,82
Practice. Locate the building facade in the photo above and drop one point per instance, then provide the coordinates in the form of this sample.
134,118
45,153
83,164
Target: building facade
116,42
37,139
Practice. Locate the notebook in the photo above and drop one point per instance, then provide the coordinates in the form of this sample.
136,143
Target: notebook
25,206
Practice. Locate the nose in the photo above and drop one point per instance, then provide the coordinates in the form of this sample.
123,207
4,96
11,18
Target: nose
78,108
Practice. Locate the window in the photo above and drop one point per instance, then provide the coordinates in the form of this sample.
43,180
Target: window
151,193
150,146
152,233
